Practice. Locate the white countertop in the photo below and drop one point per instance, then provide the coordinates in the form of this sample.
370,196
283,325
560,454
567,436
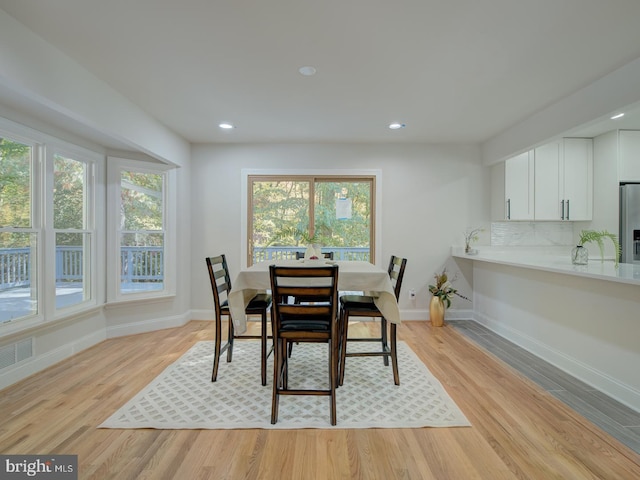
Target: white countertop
554,259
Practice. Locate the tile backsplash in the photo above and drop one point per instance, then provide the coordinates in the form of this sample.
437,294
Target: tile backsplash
531,233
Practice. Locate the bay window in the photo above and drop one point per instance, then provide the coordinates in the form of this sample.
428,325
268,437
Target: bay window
48,249
140,199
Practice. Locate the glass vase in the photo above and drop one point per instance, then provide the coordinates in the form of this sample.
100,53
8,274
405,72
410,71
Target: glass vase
579,255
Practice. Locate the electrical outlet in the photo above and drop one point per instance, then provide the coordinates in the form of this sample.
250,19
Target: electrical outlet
412,294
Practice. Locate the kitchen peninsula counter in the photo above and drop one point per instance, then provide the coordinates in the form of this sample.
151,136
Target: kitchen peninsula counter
581,318
554,259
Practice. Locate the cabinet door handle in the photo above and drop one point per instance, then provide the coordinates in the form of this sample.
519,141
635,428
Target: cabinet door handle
562,209
508,209
567,209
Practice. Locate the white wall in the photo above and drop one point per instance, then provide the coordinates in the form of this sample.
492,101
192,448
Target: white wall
33,69
598,99
587,327
430,196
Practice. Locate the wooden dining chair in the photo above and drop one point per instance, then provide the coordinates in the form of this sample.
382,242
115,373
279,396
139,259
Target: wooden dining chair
300,256
314,322
258,305
364,306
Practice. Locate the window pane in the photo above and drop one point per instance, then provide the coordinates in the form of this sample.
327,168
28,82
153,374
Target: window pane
18,282
69,204
141,248
141,262
280,217
342,218
341,213
142,201
15,184
72,265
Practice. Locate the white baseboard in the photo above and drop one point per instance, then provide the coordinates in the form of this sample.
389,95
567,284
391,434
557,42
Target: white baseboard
612,387
203,314
40,362
148,325
405,315
453,314
37,363
458,314
413,315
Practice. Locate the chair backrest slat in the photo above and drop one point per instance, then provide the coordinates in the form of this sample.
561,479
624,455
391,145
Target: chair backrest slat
327,255
318,286
396,269
220,280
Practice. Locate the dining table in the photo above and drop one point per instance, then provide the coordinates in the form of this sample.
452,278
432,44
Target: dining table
353,276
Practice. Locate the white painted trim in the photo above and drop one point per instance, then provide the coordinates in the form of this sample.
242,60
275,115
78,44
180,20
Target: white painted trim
414,315
619,391
115,165
45,147
202,314
458,314
405,315
246,172
148,325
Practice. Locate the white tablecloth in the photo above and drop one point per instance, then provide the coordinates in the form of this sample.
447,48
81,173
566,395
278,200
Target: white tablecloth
352,276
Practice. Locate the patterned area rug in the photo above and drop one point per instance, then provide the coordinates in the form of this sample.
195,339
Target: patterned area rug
183,396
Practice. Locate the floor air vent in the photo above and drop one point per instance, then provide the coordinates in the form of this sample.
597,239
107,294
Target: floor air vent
16,352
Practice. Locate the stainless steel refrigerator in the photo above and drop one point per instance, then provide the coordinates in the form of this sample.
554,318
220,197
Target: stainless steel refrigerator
630,223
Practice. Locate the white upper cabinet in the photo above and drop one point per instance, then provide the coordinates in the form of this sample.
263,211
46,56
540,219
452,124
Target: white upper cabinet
518,187
577,179
552,182
548,189
629,156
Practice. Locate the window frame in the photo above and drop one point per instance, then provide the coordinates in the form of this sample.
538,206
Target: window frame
115,167
327,175
94,220
43,149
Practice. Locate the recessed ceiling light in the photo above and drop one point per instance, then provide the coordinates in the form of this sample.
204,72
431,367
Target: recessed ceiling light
618,115
396,126
307,70
226,126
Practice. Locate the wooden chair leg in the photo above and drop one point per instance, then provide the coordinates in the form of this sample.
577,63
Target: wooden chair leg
277,371
344,322
263,351
385,343
333,380
285,364
230,336
337,347
216,356
394,354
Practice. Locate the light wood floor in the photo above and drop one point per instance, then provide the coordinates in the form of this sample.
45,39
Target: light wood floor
519,430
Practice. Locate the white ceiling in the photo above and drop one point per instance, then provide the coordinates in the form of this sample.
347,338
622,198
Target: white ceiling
454,71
